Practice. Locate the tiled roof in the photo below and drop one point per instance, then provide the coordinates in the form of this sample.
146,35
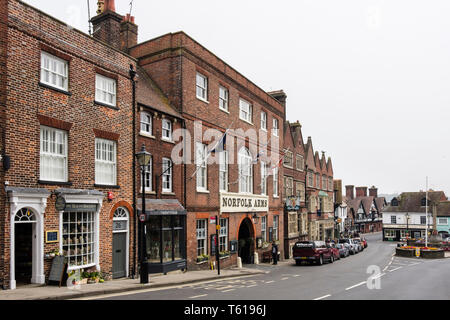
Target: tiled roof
412,201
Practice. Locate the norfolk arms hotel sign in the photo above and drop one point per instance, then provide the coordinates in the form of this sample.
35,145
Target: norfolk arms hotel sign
235,202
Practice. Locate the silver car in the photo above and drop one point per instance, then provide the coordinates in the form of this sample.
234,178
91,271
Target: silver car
352,246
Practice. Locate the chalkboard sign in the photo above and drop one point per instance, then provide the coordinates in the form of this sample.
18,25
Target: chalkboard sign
58,270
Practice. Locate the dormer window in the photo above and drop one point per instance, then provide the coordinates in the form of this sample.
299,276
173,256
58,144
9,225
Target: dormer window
394,202
424,202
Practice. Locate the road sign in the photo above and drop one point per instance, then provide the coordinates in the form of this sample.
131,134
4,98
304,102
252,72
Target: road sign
142,217
212,220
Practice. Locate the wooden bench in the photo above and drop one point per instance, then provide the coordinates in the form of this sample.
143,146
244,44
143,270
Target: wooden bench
267,256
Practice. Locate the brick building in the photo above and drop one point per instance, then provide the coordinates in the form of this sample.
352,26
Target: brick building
295,210
364,210
66,147
319,194
204,89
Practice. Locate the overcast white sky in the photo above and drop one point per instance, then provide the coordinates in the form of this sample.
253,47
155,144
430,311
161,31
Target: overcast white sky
368,79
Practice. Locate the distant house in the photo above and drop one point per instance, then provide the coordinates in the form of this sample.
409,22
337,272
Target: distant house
443,217
406,215
364,211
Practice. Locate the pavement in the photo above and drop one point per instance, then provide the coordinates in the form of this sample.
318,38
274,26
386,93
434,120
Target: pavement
177,278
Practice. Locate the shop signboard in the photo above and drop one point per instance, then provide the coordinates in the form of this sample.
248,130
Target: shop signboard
60,204
293,203
235,202
80,207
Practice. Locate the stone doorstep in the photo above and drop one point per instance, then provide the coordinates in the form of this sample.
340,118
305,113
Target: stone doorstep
135,286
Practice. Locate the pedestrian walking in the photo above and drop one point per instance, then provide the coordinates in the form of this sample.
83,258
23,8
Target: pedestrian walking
275,252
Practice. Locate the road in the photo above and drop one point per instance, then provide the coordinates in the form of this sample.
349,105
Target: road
390,277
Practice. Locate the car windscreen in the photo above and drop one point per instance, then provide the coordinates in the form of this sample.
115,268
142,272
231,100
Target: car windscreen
344,241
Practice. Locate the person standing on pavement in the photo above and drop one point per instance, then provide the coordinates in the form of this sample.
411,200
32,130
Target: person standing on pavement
275,252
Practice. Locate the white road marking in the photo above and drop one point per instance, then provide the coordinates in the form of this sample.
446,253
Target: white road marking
200,296
324,297
270,282
284,278
253,285
356,285
385,268
228,290
395,269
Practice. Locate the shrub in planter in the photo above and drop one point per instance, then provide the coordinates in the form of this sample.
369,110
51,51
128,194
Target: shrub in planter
202,258
432,253
405,252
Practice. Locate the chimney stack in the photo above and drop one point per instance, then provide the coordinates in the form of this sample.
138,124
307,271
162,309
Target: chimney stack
361,192
373,192
350,192
120,32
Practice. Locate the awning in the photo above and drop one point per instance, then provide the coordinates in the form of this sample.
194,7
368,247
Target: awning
161,207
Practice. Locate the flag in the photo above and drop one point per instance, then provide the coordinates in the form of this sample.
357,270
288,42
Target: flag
221,145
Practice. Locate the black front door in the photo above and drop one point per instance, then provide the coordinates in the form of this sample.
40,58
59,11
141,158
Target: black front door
119,255
23,252
245,243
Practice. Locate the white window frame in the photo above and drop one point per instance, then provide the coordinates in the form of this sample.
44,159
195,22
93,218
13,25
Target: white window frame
264,228
223,171
201,166
146,121
203,87
394,220
275,182
442,219
264,175
289,159
103,161
245,175
223,98
324,182
301,159
245,111
264,120
167,164
47,173
223,234
276,223
389,234
105,86
202,236
53,70
276,127
166,131
148,177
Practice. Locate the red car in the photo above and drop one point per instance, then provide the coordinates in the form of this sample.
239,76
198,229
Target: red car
363,242
313,251
337,254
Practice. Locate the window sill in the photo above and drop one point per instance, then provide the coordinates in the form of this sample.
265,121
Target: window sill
276,197
147,192
246,121
203,191
167,140
105,105
147,135
54,183
202,100
168,193
223,110
105,186
47,86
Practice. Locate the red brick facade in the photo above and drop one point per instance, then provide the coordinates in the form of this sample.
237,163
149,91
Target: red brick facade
173,62
31,105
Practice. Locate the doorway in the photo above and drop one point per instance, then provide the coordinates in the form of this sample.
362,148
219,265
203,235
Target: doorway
23,253
246,242
120,243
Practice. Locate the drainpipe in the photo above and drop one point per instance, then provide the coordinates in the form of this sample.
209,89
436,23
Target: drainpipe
133,82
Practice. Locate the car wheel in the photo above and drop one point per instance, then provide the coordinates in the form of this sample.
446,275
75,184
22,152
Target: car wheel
332,258
320,262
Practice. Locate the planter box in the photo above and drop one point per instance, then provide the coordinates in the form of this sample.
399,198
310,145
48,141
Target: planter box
432,254
408,253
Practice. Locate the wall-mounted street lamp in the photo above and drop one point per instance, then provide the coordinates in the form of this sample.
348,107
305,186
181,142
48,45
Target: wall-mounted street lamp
255,218
143,157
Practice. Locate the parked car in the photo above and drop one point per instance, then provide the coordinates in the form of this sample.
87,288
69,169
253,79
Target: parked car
359,244
364,241
353,247
312,251
344,249
337,255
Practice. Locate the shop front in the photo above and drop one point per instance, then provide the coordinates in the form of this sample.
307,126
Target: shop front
165,234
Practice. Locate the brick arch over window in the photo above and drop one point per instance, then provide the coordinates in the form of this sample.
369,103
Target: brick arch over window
121,204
